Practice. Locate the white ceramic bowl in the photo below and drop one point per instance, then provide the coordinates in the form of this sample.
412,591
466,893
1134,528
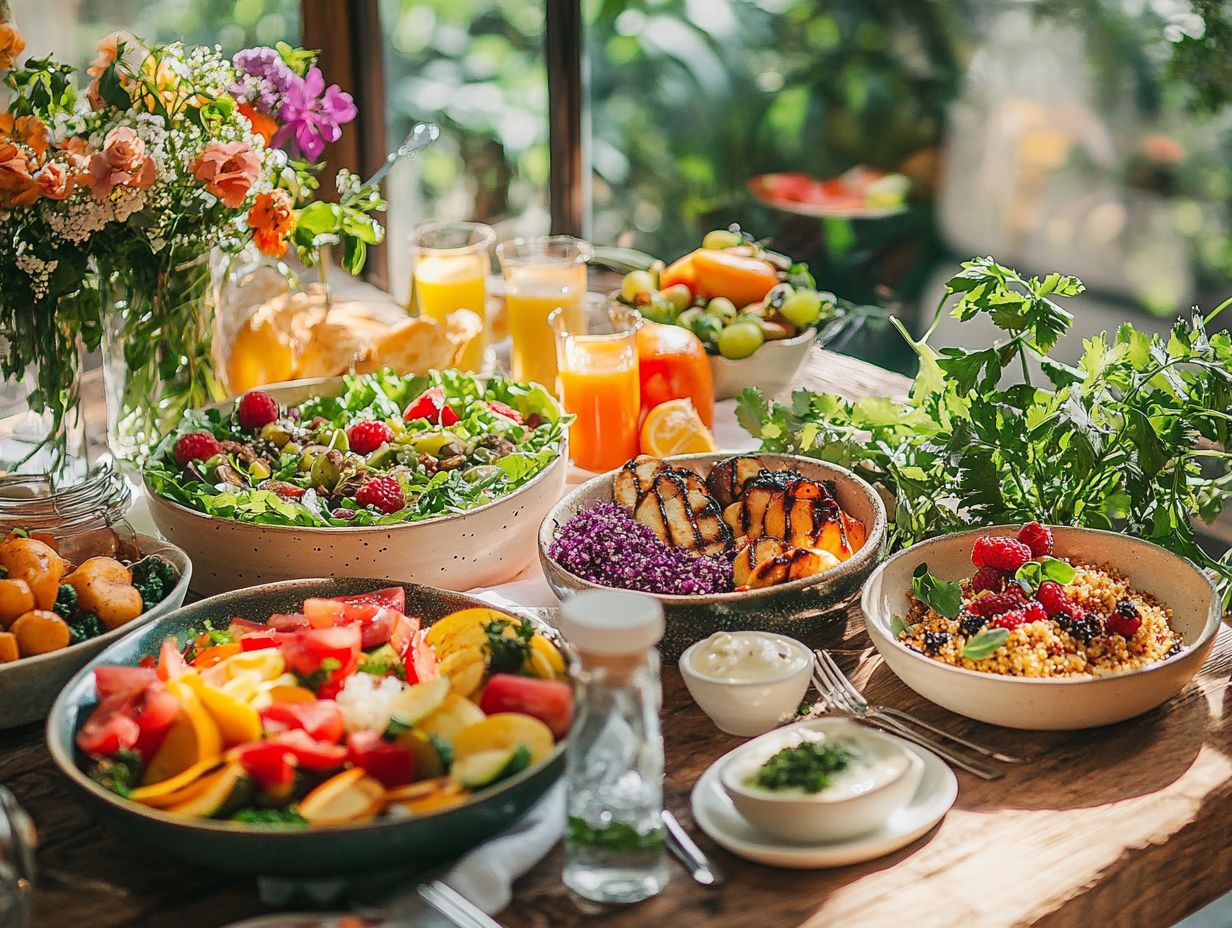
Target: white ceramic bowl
799,817
484,546
1056,704
30,685
749,708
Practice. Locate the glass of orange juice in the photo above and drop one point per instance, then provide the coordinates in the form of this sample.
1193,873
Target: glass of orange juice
541,275
597,377
450,271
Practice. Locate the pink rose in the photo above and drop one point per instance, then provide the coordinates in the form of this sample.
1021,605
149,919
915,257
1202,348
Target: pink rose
122,163
228,170
55,179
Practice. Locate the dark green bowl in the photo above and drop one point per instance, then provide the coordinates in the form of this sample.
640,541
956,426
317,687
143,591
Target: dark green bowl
417,843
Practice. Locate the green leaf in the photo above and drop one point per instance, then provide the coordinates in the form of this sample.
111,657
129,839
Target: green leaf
898,626
111,90
985,642
942,596
1031,574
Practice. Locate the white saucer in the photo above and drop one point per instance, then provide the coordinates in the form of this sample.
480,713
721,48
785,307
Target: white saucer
718,818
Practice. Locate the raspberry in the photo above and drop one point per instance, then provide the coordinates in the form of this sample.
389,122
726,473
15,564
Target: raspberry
1052,596
195,446
999,553
1036,537
383,493
367,436
256,409
1031,612
1035,612
1125,620
997,603
987,579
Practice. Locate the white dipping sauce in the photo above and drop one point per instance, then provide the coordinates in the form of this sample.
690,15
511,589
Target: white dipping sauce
872,765
746,657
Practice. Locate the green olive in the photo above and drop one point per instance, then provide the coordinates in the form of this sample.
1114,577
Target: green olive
678,296
275,433
258,470
327,469
722,309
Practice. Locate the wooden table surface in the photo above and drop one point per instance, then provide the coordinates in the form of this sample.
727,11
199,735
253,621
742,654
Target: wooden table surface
1126,825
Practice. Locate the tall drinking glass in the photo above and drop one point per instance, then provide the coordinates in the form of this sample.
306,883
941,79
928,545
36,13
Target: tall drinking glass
596,353
451,264
541,275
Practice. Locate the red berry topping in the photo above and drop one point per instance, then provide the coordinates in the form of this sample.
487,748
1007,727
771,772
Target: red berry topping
503,409
256,409
1031,612
383,493
1052,597
1124,620
996,603
365,437
1036,537
195,446
431,405
999,553
986,579
282,488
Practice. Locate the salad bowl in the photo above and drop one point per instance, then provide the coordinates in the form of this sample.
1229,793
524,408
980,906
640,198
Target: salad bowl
1049,703
28,686
412,842
797,608
482,545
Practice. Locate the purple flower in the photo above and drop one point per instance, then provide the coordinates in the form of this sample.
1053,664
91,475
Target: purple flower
264,79
312,118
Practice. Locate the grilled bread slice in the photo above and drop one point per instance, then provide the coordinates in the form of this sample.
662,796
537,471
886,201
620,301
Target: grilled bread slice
678,509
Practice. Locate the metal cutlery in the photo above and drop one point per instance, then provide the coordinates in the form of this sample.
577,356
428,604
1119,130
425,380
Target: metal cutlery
836,690
421,135
688,853
455,906
859,699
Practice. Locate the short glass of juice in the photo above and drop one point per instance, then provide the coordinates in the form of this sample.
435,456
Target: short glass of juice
450,266
541,275
596,356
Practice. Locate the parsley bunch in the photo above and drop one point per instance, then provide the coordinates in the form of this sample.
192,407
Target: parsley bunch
1135,437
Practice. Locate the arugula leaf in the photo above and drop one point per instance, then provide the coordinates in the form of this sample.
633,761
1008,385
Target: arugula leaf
984,643
942,596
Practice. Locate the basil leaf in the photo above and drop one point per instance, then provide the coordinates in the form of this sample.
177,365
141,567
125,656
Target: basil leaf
1061,571
984,643
898,626
1031,574
942,596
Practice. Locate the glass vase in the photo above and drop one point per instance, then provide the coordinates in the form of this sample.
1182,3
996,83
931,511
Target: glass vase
42,435
158,349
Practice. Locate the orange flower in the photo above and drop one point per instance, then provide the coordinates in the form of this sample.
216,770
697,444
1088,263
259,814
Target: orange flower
11,45
271,220
228,170
28,130
262,125
108,51
56,180
17,187
123,162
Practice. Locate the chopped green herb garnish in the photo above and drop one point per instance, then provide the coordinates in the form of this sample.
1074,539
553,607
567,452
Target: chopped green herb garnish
508,652
614,836
807,766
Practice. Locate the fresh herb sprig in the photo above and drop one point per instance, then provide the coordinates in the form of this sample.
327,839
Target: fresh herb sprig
1136,436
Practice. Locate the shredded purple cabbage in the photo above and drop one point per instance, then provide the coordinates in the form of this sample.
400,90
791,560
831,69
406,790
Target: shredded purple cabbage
605,545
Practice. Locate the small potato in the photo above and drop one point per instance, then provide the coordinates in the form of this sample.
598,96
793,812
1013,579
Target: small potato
105,587
40,632
9,650
16,600
35,562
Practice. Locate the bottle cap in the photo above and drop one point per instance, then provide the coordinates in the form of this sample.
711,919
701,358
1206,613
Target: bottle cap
612,623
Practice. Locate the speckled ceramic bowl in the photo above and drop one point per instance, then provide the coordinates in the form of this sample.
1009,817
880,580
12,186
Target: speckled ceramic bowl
421,842
484,546
800,608
770,368
28,686
1053,704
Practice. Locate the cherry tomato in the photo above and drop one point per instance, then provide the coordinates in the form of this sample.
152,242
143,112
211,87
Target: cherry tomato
321,719
431,405
383,761
550,701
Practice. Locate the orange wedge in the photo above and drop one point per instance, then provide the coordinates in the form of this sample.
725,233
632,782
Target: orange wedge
675,428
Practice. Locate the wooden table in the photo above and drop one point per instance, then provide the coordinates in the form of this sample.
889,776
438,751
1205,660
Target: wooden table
1124,826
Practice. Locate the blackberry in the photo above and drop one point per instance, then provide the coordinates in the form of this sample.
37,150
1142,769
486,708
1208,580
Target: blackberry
1126,609
1176,648
1085,628
969,623
935,641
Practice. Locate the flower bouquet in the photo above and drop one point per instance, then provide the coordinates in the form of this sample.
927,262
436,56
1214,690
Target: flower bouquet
113,198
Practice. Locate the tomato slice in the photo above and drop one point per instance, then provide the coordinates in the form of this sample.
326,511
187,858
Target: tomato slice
324,613
421,662
154,709
257,641
550,701
383,761
111,680
394,597
431,405
110,727
402,636
267,762
312,755
321,719
503,409
287,622
240,627
306,650
171,663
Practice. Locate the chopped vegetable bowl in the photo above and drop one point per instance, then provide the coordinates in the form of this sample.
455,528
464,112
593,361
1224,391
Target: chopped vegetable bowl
320,727
439,478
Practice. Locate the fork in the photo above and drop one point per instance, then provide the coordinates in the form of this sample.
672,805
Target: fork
856,697
836,697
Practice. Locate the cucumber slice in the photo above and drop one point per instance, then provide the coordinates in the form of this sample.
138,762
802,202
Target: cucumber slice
433,754
381,662
420,700
484,768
